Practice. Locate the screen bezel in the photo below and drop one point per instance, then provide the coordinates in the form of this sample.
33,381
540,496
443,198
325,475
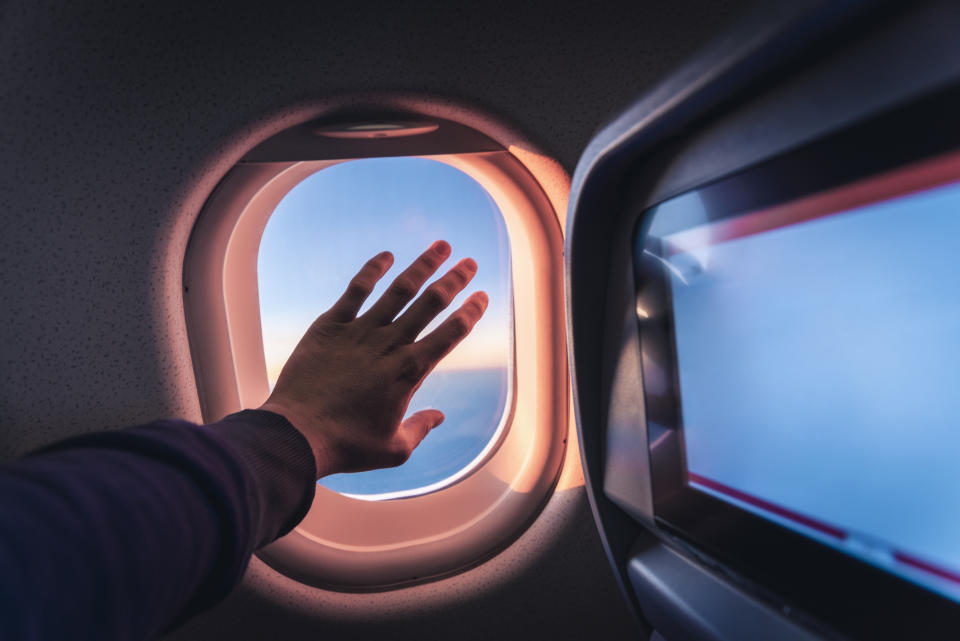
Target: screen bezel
847,594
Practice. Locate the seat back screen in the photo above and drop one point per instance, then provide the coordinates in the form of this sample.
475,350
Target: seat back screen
818,365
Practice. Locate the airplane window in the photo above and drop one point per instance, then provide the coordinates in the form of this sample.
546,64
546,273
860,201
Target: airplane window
320,234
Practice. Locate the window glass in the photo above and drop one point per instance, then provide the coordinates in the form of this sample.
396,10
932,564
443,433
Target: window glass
323,231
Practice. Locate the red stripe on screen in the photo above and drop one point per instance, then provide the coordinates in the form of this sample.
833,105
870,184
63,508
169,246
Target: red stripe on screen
796,517
928,174
825,528
927,567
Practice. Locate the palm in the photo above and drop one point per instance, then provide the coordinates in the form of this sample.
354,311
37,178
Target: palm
349,381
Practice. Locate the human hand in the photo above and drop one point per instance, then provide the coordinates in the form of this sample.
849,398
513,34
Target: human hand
347,384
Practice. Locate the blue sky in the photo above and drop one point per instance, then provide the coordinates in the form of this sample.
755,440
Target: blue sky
323,231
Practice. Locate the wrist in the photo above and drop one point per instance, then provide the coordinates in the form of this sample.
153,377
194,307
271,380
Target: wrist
323,461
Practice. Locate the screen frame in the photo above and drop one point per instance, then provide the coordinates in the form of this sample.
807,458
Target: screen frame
790,569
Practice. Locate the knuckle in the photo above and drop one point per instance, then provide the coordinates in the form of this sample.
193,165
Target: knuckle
411,368
324,328
358,288
459,325
432,259
474,308
450,287
404,289
436,298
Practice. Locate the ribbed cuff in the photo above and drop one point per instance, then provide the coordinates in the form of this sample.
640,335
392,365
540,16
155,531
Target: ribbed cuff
281,463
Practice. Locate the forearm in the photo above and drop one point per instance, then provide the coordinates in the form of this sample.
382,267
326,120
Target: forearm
118,535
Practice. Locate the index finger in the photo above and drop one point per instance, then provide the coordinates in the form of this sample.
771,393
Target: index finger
347,306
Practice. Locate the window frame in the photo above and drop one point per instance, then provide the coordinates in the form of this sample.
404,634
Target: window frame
373,545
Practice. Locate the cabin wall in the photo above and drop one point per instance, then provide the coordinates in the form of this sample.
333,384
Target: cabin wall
117,119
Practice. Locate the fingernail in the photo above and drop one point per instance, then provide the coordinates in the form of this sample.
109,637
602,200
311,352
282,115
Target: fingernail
482,298
442,247
470,264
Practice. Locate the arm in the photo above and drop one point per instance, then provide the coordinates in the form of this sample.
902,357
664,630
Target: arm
120,535
116,535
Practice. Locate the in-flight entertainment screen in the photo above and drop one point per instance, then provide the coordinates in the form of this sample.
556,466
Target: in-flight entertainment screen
817,351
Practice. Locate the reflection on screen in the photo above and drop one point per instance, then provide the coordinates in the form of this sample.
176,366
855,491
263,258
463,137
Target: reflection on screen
819,371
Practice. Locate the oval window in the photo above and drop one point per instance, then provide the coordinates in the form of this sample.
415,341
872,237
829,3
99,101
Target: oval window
320,234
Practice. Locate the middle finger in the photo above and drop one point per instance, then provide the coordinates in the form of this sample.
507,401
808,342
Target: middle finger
435,299
407,284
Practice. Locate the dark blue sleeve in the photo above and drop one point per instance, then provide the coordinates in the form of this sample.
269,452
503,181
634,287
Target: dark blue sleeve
121,535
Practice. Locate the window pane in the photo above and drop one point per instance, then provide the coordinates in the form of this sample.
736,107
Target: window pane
323,231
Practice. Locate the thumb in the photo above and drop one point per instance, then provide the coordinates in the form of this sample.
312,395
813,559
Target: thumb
416,427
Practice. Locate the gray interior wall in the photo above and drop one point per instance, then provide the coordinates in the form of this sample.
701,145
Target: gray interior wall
118,118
